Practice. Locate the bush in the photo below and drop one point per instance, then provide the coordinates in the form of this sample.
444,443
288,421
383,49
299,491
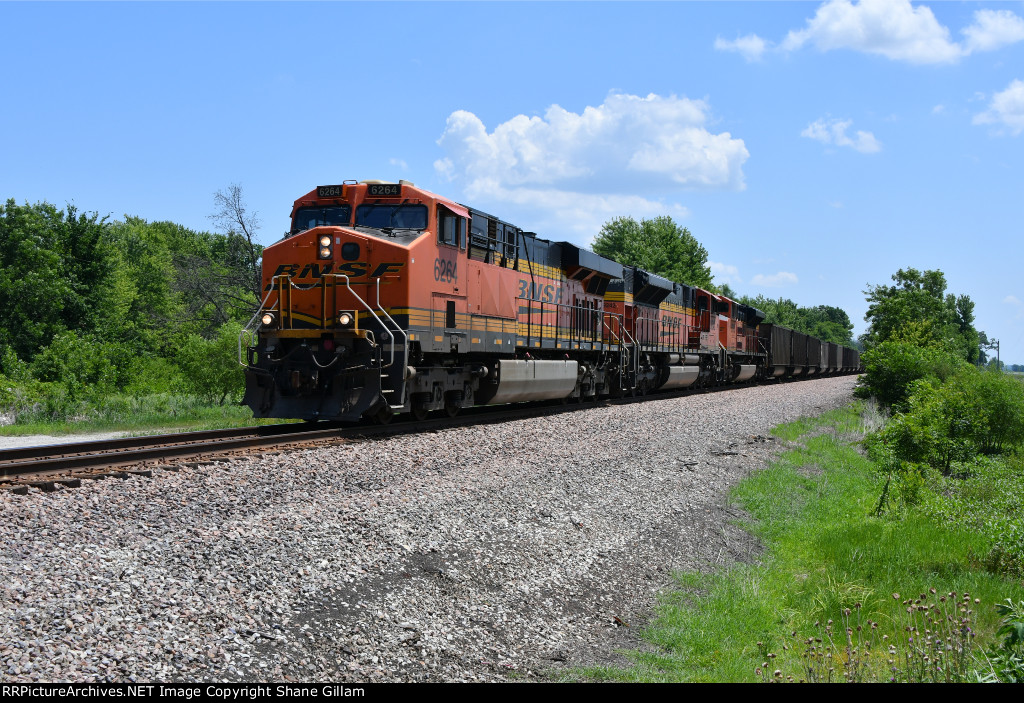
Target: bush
86,366
210,366
1002,398
974,411
892,367
149,375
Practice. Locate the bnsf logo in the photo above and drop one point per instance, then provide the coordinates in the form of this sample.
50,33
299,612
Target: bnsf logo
541,293
353,269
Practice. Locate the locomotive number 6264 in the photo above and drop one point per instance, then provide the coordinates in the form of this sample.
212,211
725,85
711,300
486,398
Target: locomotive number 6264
445,270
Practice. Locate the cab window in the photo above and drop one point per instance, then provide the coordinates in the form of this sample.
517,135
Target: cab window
392,216
451,229
310,217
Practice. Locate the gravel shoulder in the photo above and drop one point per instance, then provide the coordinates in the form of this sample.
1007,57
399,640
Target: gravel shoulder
487,553
39,440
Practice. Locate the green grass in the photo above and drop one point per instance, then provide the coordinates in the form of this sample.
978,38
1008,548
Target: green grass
825,552
139,415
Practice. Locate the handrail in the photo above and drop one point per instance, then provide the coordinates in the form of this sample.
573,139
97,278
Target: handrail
245,330
283,307
405,335
636,358
606,316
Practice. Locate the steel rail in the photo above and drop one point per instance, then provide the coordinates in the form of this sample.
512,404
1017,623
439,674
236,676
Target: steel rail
120,444
47,464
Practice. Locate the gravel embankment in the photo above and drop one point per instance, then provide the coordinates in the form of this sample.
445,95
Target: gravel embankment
470,554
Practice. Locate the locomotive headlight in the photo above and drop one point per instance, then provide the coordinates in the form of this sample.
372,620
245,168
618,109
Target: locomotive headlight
345,319
325,247
267,319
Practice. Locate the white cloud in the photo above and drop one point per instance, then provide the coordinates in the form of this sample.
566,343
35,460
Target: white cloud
938,109
622,157
725,273
400,163
993,29
895,29
751,46
892,28
834,132
775,280
1006,109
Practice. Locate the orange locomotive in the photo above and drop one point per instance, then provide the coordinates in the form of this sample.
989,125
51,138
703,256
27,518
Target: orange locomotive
385,298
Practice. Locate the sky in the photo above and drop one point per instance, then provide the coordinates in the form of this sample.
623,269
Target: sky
813,148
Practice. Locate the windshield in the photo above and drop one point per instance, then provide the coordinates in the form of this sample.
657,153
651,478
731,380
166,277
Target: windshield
310,217
392,216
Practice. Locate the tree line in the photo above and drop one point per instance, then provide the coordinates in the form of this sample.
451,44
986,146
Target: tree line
95,307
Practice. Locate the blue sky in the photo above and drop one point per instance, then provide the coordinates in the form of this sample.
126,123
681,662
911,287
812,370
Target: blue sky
813,148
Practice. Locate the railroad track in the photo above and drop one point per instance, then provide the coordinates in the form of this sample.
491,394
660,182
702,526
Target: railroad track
48,466
68,464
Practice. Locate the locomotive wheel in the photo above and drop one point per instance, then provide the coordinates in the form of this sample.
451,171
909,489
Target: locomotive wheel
452,409
419,414
383,416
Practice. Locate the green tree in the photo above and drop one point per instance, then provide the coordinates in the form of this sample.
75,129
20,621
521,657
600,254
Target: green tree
659,245
55,269
919,300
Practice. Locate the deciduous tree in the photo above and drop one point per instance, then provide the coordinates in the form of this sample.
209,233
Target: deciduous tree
659,245
918,309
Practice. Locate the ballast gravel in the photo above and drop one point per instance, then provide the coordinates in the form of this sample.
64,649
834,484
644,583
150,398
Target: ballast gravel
489,553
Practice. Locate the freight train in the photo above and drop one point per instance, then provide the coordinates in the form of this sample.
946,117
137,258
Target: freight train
385,298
